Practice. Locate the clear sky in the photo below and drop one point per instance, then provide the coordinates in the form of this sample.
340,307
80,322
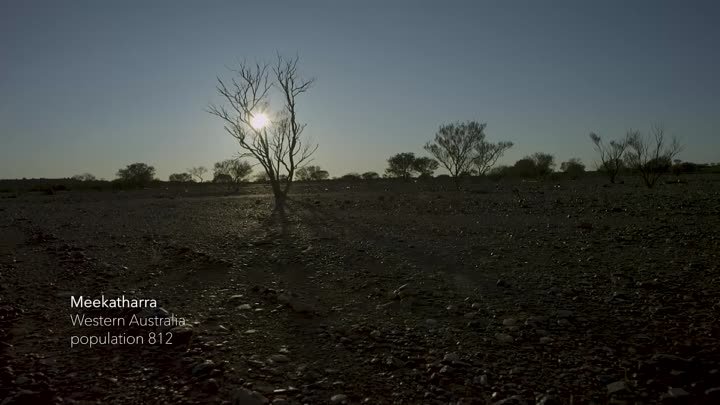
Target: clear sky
91,86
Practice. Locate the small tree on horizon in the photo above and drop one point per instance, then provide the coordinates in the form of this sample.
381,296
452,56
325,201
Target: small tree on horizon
488,153
401,165
180,178
425,166
312,173
238,170
544,163
573,167
651,155
370,176
136,174
84,177
454,144
198,172
611,155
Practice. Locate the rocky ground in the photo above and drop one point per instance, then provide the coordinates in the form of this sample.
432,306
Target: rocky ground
508,293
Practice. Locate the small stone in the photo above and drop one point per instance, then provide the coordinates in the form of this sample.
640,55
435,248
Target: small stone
22,380
509,322
264,388
338,399
211,386
713,393
481,380
545,340
451,357
279,358
235,298
504,338
251,331
181,334
203,368
301,307
246,397
677,393
431,322
616,387
244,307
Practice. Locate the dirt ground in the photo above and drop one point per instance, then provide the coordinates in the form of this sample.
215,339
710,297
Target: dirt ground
570,292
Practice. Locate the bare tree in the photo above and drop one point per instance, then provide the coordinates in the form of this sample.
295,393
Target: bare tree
651,155
611,156
453,146
198,172
278,147
488,153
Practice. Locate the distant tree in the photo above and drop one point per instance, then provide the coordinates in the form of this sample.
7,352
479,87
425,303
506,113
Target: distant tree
351,176
222,178
681,167
401,165
573,167
238,170
261,178
370,176
311,173
198,172
487,154
611,155
544,163
496,173
136,174
651,155
425,166
454,146
180,177
279,147
525,167
84,177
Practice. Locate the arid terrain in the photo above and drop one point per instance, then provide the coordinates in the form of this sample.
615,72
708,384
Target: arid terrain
567,292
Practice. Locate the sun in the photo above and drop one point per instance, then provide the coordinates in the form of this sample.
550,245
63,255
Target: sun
259,121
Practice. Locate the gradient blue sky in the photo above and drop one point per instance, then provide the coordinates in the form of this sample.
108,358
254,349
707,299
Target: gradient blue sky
91,86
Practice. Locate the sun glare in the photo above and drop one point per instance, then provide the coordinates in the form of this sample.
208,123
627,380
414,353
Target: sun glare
259,121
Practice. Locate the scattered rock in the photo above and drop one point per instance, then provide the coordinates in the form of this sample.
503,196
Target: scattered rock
617,387
279,358
677,393
181,334
235,298
504,338
451,357
211,386
244,396
203,368
338,399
